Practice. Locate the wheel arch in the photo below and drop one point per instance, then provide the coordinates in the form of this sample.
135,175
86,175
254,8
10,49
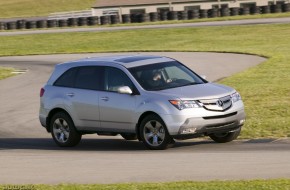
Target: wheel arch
51,114
142,116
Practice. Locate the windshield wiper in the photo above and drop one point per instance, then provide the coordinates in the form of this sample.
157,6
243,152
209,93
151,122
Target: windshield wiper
169,87
189,84
156,89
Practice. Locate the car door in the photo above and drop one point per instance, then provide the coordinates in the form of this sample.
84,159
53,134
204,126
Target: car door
84,97
117,110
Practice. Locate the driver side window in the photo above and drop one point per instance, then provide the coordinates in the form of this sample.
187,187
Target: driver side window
116,78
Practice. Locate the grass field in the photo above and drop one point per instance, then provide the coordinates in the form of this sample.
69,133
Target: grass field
265,88
5,72
29,8
278,184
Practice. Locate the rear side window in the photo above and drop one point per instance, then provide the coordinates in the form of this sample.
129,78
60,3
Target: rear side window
88,78
67,79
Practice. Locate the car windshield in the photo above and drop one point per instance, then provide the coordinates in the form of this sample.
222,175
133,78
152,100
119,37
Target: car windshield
161,76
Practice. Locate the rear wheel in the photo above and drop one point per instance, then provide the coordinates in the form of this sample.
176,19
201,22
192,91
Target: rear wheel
63,130
129,136
154,134
225,137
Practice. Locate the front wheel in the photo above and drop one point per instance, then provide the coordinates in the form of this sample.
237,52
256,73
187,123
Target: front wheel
154,134
63,130
225,137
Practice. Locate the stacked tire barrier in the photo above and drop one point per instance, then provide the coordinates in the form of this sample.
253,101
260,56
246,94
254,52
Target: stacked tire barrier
245,11
126,18
31,24
41,24
52,23
213,13
286,7
63,23
153,17
135,18
225,12
235,11
115,19
21,24
2,26
183,15
94,20
145,17
203,13
72,22
255,10
82,21
105,20
172,15
265,9
11,25
163,16
193,14
276,8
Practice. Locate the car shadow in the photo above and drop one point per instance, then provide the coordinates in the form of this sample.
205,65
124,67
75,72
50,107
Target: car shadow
85,144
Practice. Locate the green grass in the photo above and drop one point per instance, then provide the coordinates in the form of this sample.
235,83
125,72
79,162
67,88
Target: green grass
278,184
29,8
5,72
265,88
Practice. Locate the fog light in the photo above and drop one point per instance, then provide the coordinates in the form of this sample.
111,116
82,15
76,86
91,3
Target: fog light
242,121
188,130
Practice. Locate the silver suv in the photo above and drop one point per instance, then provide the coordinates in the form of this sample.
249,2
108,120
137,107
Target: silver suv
150,98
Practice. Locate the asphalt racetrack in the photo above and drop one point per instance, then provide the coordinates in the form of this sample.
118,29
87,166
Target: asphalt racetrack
29,156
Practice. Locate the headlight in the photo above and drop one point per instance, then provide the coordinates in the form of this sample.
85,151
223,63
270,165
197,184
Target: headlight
236,97
184,104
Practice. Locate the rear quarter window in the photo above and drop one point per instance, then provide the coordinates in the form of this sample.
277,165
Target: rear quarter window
67,78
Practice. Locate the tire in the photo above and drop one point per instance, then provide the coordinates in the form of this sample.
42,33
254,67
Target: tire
154,134
63,130
129,136
225,137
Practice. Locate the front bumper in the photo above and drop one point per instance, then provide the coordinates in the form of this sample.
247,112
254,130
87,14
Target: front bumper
179,126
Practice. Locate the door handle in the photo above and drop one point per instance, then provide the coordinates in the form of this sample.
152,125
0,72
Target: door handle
105,99
70,94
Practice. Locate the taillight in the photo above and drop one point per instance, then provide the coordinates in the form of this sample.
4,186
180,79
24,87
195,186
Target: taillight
41,92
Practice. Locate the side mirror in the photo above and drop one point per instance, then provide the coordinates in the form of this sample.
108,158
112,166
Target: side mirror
203,76
125,90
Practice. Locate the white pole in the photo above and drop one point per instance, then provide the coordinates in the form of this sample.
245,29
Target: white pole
219,4
120,15
170,6
219,7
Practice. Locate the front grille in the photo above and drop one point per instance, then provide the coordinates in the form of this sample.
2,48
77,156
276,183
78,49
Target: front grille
216,126
218,104
221,116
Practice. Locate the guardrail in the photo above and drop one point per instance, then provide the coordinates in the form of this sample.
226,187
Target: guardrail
71,14
82,20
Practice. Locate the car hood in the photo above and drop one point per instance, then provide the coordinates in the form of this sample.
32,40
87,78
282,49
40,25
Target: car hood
200,91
